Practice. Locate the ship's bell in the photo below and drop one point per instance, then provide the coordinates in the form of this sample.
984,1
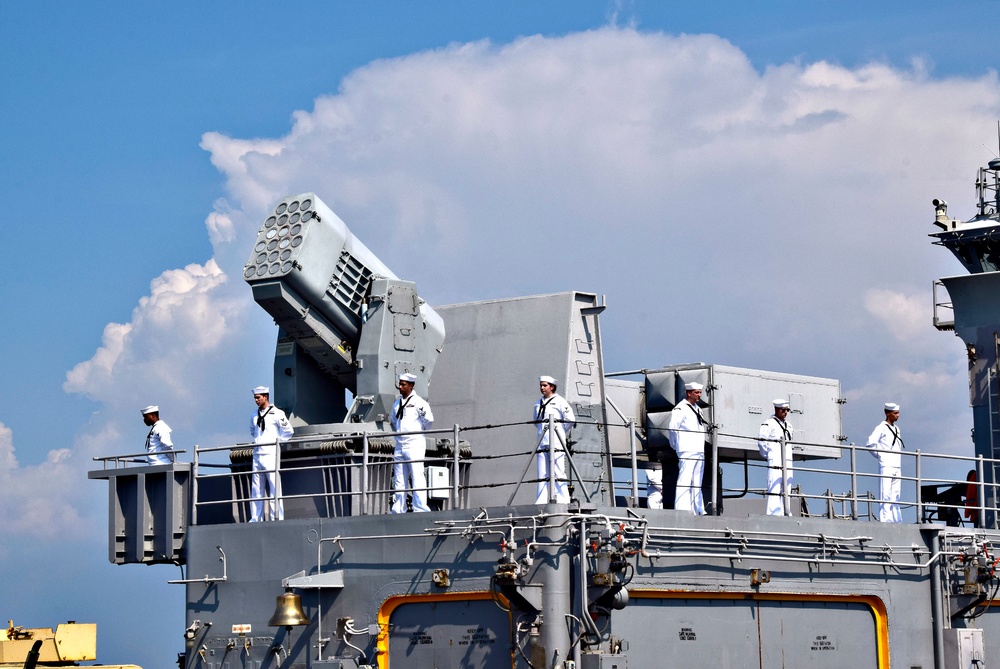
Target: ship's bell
288,612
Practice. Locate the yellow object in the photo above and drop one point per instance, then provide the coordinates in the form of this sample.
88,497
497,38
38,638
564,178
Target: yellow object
69,644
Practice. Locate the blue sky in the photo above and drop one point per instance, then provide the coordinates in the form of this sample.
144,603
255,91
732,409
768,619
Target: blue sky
125,127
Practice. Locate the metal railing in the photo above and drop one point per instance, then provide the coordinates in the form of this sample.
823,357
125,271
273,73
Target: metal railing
972,499
136,459
944,311
350,474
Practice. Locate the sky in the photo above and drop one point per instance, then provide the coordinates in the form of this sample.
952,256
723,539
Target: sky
748,184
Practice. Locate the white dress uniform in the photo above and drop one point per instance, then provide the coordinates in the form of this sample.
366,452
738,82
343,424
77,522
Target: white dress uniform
560,409
686,431
654,488
157,441
773,433
887,438
267,427
411,414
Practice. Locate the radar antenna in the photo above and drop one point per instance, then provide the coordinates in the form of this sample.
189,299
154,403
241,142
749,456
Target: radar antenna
998,142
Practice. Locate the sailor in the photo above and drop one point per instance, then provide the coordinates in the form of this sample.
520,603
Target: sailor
773,439
654,488
412,414
888,442
268,426
686,432
158,443
551,404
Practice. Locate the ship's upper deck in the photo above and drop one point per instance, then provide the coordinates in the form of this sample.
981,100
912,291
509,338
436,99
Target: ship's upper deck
335,475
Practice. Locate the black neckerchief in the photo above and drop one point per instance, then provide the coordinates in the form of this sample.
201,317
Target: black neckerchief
895,436
701,420
542,406
262,416
150,435
402,405
781,424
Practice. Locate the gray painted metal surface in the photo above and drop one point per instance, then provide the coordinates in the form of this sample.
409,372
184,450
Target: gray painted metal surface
736,402
488,375
599,583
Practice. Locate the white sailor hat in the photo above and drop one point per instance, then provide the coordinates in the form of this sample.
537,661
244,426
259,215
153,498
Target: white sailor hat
409,378
261,390
694,385
891,406
780,404
547,379
152,408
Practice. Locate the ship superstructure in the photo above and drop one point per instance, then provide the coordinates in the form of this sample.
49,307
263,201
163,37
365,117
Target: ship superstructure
491,579
974,302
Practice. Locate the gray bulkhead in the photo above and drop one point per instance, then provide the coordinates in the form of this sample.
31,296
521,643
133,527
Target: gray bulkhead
488,375
486,582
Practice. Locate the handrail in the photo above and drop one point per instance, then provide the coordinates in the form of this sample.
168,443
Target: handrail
811,476
141,458
940,322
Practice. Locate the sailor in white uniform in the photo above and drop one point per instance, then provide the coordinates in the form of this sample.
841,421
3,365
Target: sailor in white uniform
268,426
654,488
887,440
158,442
410,413
774,435
551,404
686,432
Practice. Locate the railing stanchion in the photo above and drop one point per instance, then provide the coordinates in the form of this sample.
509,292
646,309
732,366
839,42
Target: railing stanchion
194,486
454,473
713,478
786,506
364,474
854,482
981,490
635,464
277,501
553,440
920,497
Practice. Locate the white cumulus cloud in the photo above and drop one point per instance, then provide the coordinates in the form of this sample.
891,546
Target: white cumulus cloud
37,500
187,318
772,219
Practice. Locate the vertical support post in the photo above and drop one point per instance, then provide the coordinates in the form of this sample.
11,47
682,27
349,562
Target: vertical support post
194,486
553,441
991,403
920,497
854,481
137,528
713,478
454,473
276,493
635,465
785,503
553,644
581,610
981,491
937,601
364,474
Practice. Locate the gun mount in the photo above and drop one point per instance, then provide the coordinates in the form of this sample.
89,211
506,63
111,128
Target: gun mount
66,646
346,322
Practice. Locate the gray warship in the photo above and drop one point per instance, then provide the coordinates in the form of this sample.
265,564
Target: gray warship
490,578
